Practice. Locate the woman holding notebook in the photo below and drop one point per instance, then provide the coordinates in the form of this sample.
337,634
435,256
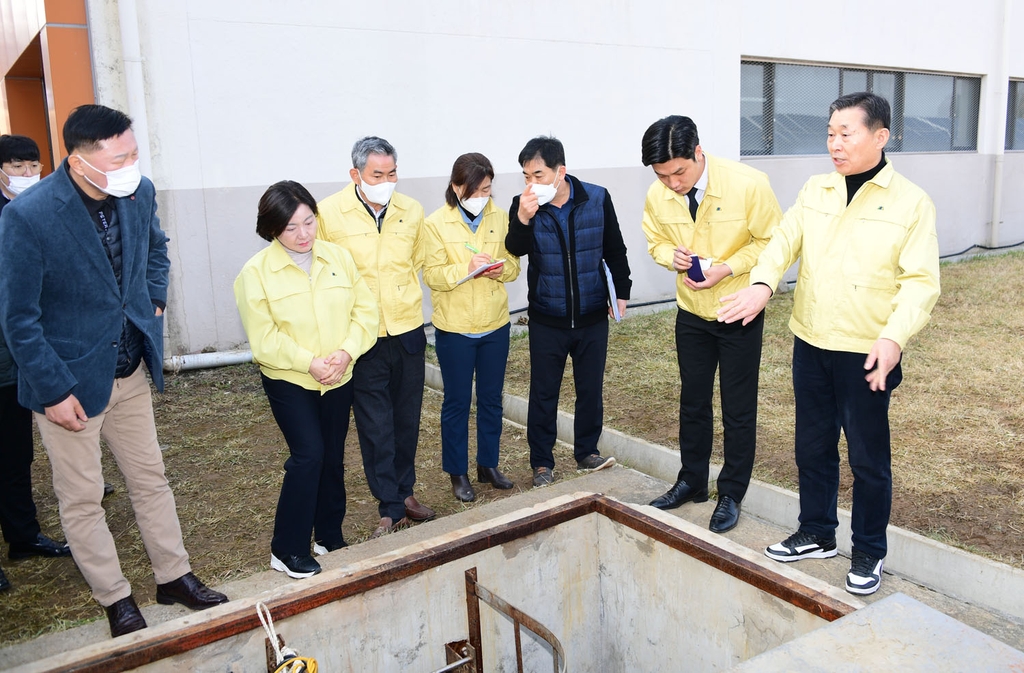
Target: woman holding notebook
466,269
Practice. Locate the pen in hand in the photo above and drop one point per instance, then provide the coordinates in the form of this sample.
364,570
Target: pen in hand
477,252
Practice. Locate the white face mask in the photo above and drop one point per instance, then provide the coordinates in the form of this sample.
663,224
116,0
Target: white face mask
545,193
474,205
122,182
19,183
379,193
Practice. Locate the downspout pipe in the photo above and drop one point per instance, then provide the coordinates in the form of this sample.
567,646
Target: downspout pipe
1000,153
131,53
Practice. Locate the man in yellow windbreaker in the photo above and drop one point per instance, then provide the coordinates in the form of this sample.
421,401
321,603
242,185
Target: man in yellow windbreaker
707,219
869,277
383,230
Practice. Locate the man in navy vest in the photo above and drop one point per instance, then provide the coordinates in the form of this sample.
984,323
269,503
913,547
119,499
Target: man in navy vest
83,285
570,232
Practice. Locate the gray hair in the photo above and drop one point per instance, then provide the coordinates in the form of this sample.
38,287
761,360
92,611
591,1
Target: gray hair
364,147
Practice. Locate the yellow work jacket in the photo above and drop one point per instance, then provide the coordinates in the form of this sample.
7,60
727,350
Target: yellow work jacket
480,304
388,260
735,220
868,270
291,318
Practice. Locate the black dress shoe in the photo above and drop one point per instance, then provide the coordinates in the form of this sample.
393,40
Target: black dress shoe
296,567
492,476
41,546
461,488
108,489
679,493
124,617
5,584
190,592
727,513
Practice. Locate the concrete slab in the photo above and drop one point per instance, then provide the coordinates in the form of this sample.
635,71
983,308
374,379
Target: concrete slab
895,634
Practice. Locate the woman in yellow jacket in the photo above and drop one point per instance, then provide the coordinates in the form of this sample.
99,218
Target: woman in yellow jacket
471,320
308,315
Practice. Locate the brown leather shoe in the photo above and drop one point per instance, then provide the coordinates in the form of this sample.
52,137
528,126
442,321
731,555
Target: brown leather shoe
190,592
124,617
417,512
386,526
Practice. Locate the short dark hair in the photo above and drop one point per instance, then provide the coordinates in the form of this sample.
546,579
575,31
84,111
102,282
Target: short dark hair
88,125
364,147
548,148
673,137
18,148
278,204
876,109
468,172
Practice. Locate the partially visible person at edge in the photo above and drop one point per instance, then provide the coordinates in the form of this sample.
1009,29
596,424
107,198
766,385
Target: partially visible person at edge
723,212
19,170
567,228
383,230
869,277
470,319
83,285
308,315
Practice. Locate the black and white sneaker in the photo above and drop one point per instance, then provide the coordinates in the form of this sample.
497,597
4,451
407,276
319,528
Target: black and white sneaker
801,545
865,574
320,548
594,462
297,567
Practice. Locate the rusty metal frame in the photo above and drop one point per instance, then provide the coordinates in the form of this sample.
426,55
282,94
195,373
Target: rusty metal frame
144,649
476,592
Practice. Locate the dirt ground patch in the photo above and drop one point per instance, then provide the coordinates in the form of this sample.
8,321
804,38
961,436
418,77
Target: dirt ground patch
957,425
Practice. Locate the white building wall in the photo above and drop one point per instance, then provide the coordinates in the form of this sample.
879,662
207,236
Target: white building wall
240,94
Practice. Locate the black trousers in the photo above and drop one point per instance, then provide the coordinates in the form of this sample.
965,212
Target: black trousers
831,394
549,347
388,399
312,496
703,346
17,509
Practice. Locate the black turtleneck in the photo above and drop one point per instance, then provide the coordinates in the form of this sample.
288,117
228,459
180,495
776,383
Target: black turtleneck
855,182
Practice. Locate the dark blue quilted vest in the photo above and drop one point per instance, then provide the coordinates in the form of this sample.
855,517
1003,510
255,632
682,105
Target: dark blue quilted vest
566,277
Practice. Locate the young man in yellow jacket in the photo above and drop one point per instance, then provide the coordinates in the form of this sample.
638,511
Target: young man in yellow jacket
869,277
383,231
720,213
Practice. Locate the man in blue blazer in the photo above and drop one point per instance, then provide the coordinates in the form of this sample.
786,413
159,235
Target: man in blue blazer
83,285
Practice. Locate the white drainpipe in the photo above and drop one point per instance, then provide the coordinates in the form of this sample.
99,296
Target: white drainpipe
178,363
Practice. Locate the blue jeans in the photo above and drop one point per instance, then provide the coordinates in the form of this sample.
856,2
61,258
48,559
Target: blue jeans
313,491
831,394
459,356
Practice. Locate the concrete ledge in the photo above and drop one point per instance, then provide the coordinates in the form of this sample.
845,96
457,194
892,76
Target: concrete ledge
950,571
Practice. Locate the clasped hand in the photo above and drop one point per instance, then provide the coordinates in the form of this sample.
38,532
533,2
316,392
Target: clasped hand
329,370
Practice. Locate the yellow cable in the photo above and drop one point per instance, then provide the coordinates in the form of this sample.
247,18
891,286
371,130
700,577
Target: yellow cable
298,665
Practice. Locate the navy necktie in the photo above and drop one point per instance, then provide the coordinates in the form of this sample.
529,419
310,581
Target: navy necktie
692,196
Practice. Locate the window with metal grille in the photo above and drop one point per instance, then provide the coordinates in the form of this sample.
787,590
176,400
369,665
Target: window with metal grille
784,107
1015,116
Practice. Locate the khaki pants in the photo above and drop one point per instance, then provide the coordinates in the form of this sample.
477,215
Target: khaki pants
128,427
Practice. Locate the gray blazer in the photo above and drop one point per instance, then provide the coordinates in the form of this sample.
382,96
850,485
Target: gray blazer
60,307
